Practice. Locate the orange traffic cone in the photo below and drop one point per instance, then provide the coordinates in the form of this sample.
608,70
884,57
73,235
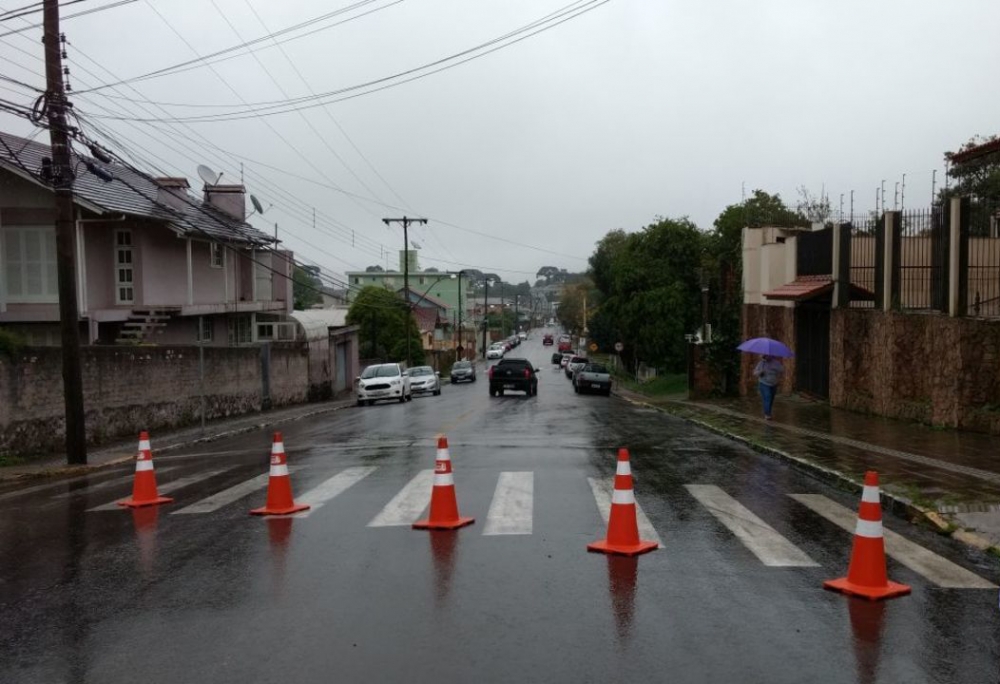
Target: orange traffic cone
144,486
623,528
866,576
444,505
279,485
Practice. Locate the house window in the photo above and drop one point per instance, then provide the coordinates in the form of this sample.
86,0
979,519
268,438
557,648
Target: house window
240,331
30,264
357,281
421,280
217,257
124,268
205,330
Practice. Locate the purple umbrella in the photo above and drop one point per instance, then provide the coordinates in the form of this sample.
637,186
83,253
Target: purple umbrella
766,346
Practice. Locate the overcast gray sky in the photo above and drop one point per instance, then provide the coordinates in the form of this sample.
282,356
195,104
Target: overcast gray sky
632,110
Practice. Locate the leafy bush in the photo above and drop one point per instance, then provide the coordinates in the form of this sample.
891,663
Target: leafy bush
11,343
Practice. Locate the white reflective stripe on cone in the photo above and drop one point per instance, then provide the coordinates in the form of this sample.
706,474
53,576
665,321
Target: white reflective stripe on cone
143,465
442,455
869,495
871,529
277,448
623,468
144,445
443,480
622,496
280,470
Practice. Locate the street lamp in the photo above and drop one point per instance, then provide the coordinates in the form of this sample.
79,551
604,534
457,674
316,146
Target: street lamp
486,308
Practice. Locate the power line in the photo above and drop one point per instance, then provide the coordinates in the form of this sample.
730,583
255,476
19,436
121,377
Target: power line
270,108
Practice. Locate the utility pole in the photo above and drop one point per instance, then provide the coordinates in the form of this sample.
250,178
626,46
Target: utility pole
517,319
460,351
406,221
486,313
62,185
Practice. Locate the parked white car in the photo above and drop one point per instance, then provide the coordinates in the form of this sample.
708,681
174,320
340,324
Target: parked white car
495,352
383,381
424,379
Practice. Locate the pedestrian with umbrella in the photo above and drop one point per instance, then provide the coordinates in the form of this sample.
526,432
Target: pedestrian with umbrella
769,370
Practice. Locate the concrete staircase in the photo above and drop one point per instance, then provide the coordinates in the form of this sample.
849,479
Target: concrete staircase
142,324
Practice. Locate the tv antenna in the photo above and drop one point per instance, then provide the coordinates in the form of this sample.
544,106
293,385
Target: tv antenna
208,175
416,245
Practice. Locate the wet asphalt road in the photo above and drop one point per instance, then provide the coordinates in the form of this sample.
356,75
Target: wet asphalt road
220,596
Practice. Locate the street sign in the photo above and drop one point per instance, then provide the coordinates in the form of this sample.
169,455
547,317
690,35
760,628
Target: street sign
593,346
619,346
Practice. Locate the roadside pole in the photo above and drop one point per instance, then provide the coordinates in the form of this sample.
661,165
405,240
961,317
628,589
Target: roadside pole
62,184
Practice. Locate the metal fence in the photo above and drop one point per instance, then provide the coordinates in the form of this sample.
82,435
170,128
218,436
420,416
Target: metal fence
982,235
863,239
923,241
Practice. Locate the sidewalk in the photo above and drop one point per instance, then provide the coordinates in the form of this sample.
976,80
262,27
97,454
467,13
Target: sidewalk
124,450
949,478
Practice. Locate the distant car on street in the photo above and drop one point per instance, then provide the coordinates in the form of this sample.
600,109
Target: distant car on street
522,335
496,351
548,341
565,343
566,356
383,381
593,377
574,364
462,371
513,374
425,380
557,358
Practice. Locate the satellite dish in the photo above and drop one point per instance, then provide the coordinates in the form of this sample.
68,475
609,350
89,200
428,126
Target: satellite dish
415,244
256,204
208,175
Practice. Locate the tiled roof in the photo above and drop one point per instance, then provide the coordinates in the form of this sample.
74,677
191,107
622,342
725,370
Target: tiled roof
128,193
976,152
810,286
427,319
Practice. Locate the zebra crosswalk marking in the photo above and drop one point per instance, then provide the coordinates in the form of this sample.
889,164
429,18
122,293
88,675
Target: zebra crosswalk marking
228,496
105,485
938,570
602,496
511,510
167,487
333,487
407,506
761,539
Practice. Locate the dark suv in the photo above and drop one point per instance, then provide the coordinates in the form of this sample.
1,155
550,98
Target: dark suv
513,374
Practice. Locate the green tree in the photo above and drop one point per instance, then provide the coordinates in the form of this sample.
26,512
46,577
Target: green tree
384,321
647,291
978,177
306,287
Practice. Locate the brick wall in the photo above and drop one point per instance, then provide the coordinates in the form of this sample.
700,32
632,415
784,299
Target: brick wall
129,389
935,369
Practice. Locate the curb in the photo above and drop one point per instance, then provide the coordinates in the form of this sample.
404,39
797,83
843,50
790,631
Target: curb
899,506
65,471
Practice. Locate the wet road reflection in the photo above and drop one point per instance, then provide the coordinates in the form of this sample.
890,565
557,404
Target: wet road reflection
623,575
444,545
867,623
145,521
279,536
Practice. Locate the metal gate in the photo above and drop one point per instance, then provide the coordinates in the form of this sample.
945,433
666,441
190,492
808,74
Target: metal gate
340,368
812,348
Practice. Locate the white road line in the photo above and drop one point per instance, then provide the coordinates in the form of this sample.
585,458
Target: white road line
602,496
336,485
228,496
760,538
83,491
512,505
938,570
167,488
54,485
406,507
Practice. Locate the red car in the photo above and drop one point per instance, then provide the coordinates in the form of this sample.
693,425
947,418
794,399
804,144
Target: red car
548,341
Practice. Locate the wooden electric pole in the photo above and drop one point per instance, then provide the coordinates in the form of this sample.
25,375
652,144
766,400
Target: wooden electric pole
62,185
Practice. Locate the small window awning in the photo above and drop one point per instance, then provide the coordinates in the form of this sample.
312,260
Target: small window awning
809,287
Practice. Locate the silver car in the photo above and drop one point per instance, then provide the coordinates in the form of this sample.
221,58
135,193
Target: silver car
424,380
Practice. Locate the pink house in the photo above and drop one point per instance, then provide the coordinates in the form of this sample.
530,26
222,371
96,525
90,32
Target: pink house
154,263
